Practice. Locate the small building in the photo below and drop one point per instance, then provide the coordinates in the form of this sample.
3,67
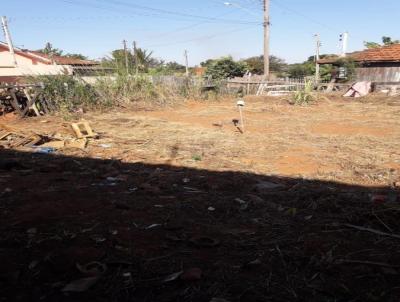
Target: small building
25,63
379,65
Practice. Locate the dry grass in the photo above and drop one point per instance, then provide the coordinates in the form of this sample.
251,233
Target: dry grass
343,140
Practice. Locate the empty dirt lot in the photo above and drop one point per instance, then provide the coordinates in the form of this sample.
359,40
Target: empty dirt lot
177,204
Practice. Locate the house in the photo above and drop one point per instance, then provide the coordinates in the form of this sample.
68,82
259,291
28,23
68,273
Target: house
379,65
14,67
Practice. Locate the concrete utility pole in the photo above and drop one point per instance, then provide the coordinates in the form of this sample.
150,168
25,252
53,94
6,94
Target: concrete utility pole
317,55
344,38
7,35
135,58
266,39
186,62
126,56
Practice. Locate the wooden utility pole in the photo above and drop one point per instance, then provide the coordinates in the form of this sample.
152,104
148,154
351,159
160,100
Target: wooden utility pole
186,62
135,57
266,39
126,56
317,55
7,35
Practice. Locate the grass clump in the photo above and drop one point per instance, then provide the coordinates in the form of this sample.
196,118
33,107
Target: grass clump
304,96
196,157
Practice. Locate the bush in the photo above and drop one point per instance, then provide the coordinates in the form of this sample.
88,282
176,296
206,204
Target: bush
64,92
226,68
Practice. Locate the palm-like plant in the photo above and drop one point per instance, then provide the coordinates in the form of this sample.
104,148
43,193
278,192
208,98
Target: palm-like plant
143,59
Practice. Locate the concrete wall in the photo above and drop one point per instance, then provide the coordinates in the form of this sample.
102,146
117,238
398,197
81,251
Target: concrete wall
6,60
27,67
35,70
91,80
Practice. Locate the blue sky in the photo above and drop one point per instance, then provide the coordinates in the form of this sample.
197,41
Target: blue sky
206,28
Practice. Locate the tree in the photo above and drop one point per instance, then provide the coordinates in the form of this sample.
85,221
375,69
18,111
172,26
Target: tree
169,68
389,41
141,62
371,45
76,56
256,64
207,63
307,68
301,70
225,68
385,42
117,60
174,67
50,50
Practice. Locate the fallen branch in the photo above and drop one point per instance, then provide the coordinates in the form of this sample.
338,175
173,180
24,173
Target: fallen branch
360,228
343,261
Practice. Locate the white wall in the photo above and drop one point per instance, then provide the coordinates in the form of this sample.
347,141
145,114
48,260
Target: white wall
25,67
7,60
35,70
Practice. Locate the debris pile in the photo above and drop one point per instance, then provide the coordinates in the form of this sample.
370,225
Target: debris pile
24,99
11,139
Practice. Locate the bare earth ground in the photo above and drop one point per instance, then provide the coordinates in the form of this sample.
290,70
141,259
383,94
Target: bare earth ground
302,206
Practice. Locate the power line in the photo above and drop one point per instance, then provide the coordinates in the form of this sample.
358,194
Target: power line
158,13
185,27
249,9
200,39
284,7
279,4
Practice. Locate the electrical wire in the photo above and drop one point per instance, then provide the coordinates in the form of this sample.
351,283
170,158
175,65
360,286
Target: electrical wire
201,39
158,13
312,20
279,4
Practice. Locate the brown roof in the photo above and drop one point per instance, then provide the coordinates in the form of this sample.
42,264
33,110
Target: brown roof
63,60
390,53
49,60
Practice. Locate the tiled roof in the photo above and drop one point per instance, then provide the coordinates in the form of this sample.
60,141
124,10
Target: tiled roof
48,60
63,60
390,53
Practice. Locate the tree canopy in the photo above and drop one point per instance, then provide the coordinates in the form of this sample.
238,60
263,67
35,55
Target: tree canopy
307,68
385,42
52,51
256,64
224,68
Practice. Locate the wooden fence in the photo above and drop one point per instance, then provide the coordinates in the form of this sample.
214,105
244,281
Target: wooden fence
255,85
378,74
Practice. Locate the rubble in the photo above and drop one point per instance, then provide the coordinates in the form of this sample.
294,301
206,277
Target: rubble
24,99
11,139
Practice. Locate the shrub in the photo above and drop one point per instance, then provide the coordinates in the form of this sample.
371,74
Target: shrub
304,96
226,68
67,93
